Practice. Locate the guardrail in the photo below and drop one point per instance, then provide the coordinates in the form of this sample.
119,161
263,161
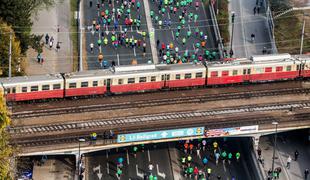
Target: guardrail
270,24
216,31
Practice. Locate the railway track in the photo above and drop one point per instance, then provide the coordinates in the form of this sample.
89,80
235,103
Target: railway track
145,119
73,138
157,102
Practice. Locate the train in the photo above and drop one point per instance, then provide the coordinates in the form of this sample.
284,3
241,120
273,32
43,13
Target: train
141,78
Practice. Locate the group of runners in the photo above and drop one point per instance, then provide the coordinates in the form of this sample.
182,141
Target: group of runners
178,50
206,151
118,24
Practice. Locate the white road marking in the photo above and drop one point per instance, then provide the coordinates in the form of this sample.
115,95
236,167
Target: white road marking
189,27
139,174
99,174
224,166
134,49
107,154
127,157
172,35
120,28
108,168
149,155
163,175
117,59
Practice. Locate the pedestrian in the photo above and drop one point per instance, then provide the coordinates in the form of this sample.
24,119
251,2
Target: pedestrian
259,153
205,161
209,172
254,10
189,160
258,8
198,152
47,38
58,28
296,155
57,46
51,44
306,174
219,177
90,3
91,47
204,143
288,162
183,161
151,167
278,171
229,157
237,156
39,57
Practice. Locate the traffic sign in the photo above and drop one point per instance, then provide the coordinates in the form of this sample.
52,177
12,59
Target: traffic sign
165,134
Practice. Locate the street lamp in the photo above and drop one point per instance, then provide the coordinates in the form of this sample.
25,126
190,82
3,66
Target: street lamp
79,157
303,33
274,147
232,33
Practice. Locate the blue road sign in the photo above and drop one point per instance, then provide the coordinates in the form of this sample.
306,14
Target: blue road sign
165,134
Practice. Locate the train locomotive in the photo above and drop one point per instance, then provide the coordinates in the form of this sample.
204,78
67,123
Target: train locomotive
140,78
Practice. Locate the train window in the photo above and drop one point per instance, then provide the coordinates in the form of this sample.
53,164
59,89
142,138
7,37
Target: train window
280,68
13,90
288,68
34,88
120,81
142,79
168,77
131,80
162,77
56,86
45,87
72,85
153,78
235,72
95,83
199,75
178,76
297,67
249,71
188,76
105,82
268,69
224,73
214,74
244,71
24,89
8,90
84,84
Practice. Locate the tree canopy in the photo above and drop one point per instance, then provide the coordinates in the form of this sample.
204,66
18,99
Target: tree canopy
17,59
6,150
18,13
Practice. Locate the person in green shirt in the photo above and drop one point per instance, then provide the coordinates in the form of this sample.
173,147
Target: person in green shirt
229,157
237,156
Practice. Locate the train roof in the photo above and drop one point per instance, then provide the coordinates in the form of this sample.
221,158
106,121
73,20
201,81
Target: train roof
136,69
259,61
26,80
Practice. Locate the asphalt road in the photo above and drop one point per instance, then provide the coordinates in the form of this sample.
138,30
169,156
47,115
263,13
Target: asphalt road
122,55
167,34
159,156
133,168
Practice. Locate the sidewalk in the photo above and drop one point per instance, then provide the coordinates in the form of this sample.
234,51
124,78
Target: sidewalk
284,149
245,24
47,21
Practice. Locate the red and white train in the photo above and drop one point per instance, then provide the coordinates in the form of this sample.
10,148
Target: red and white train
154,77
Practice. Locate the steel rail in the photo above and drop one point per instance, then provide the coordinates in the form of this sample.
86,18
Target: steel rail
158,102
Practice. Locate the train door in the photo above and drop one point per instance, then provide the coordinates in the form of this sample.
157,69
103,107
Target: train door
107,83
165,78
246,74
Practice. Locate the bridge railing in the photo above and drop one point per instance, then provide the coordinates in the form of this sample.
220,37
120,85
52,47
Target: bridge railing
216,30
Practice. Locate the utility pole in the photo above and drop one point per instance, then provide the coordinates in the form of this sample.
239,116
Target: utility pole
232,33
302,34
10,56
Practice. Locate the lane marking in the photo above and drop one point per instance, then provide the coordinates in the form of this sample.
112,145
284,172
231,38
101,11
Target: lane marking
139,174
172,35
107,154
149,155
127,156
134,49
117,59
108,168
189,27
163,175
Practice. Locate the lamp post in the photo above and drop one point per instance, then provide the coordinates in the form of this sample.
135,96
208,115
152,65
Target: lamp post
232,33
303,33
274,147
79,157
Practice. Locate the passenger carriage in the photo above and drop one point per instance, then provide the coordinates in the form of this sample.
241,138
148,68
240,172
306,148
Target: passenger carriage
24,88
256,69
86,83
